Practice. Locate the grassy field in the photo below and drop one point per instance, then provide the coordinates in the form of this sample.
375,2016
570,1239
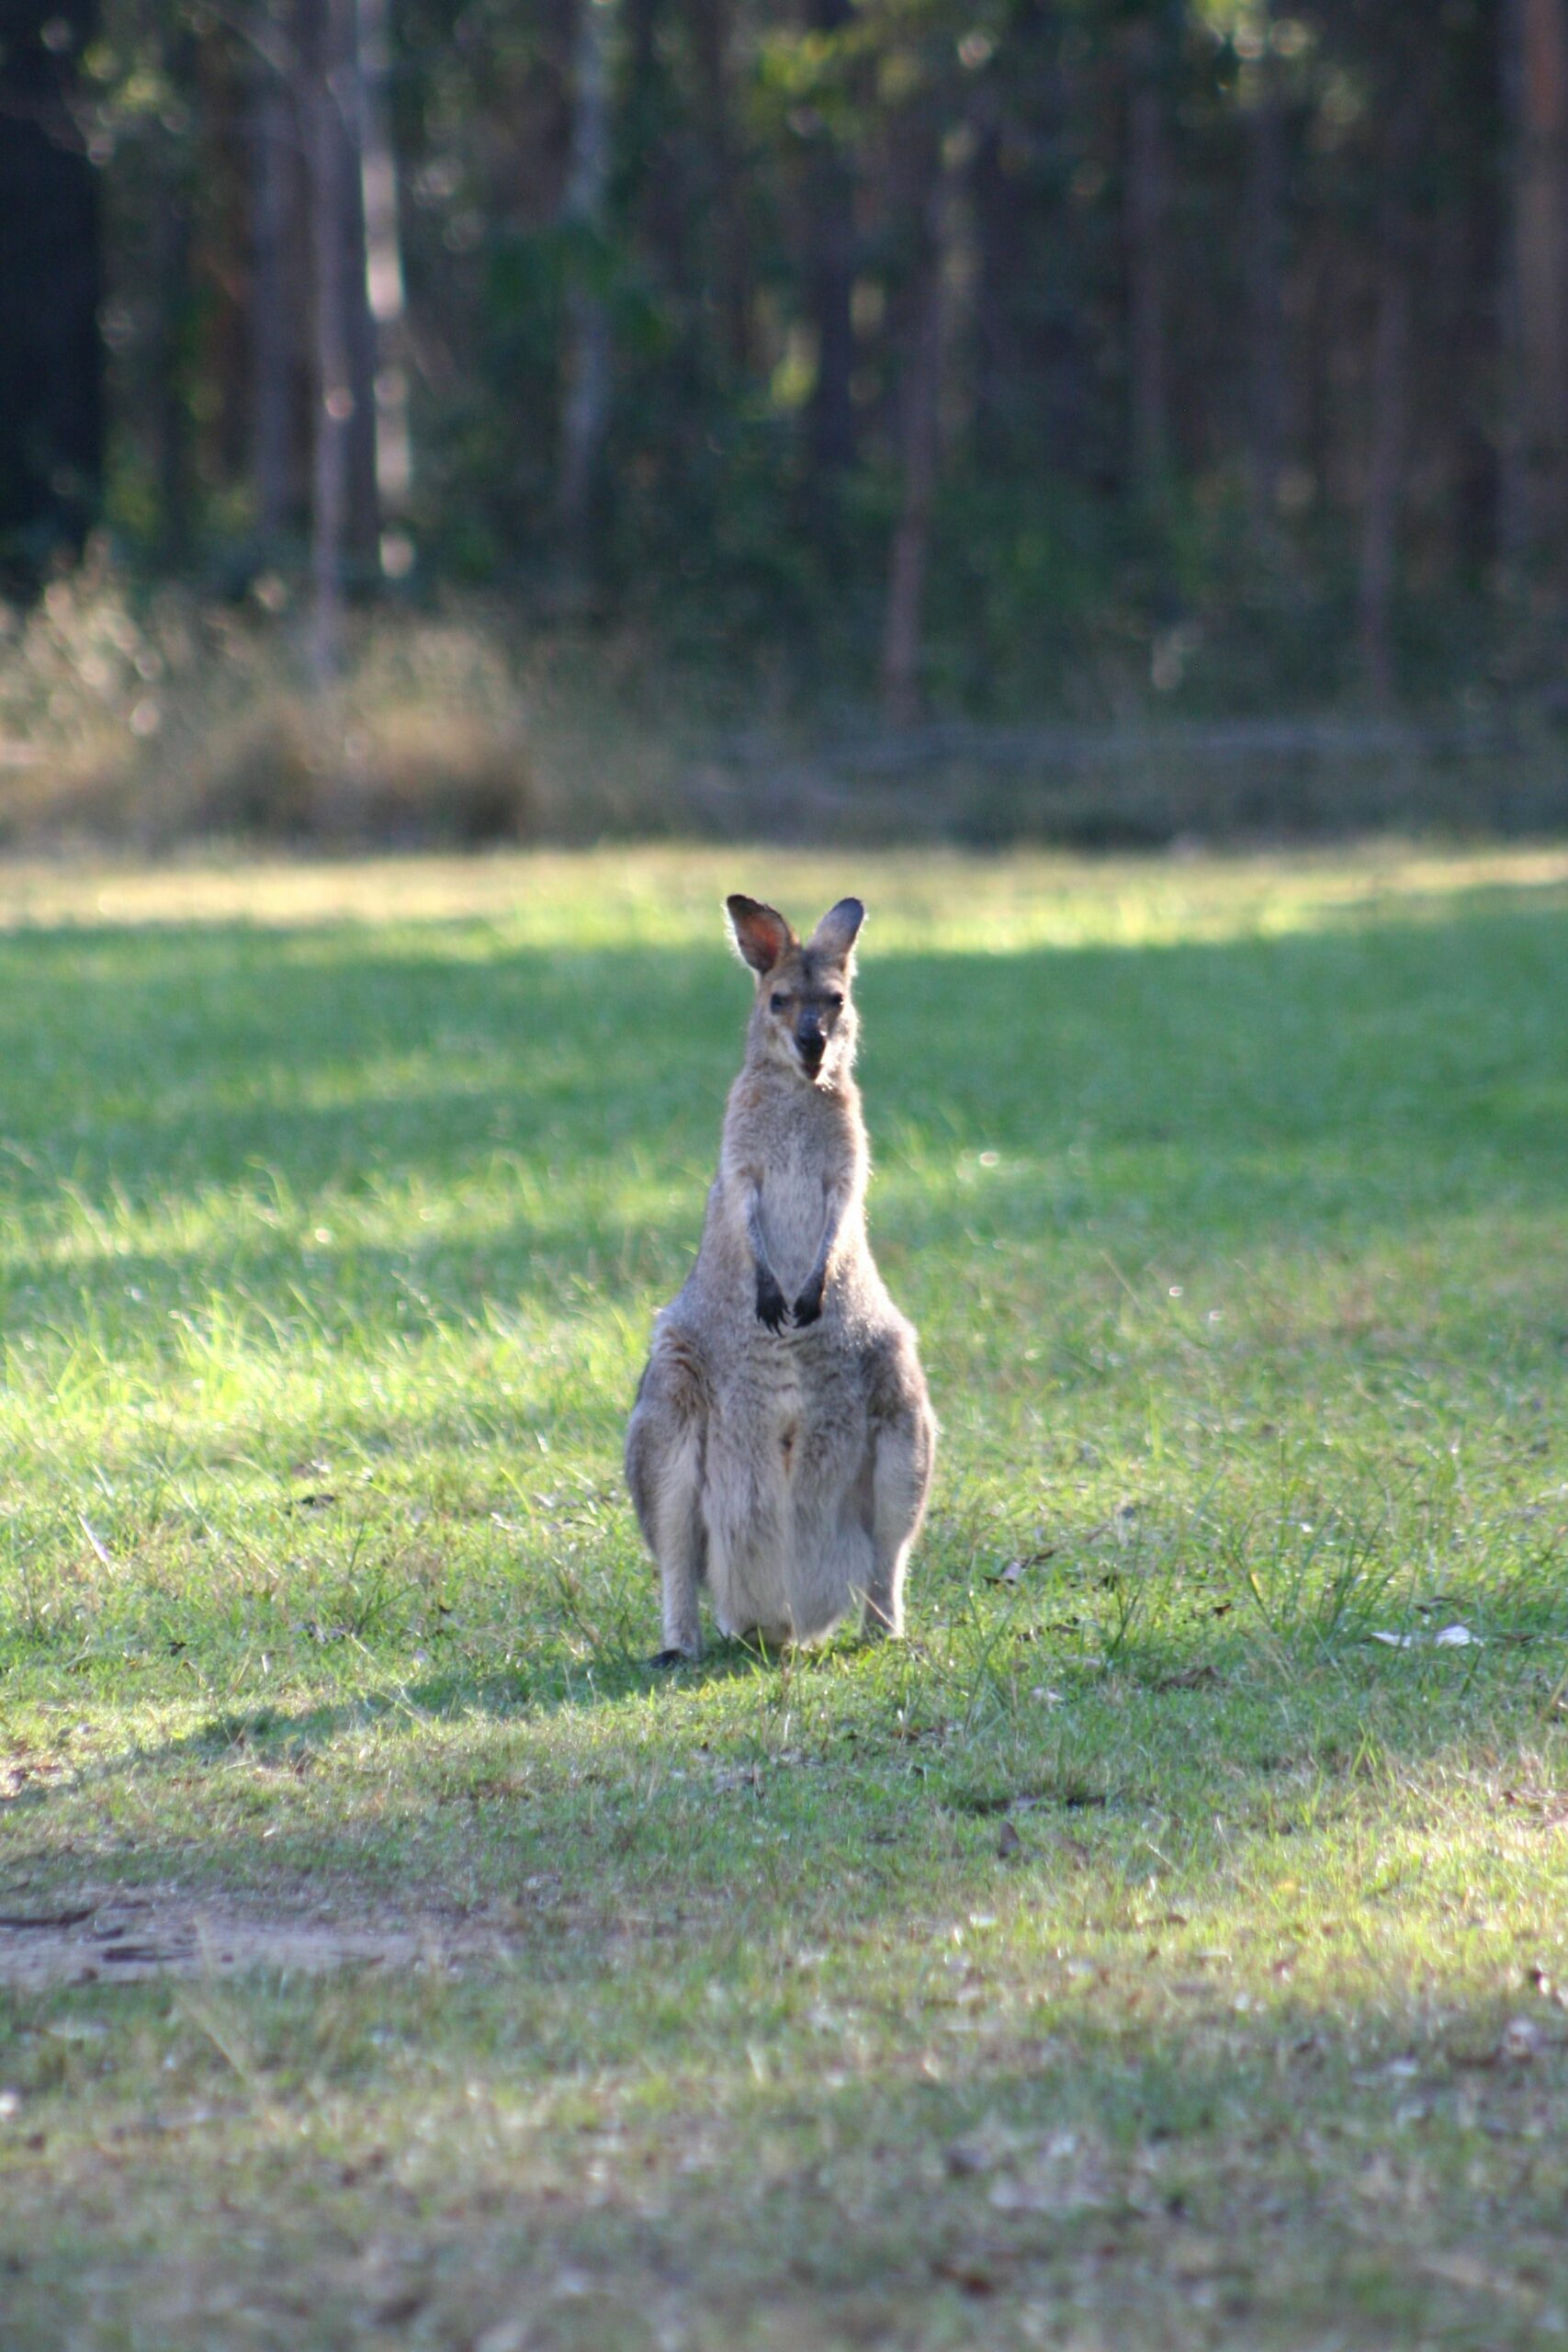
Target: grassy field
1161,1948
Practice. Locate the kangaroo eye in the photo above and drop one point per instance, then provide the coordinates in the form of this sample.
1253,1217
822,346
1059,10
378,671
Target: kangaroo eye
837,1001
777,1003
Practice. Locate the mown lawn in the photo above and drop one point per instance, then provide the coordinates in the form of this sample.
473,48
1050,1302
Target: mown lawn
1144,1953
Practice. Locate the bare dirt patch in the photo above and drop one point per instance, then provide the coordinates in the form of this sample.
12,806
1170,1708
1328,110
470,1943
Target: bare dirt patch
97,1938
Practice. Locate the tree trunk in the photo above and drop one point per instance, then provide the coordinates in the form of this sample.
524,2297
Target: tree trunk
384,265
655,180
1385,462
921,438
327,29
1265,307
1145,208
1536,451
275,157
1039,401
585,411
640,120
51,393
830,263
1405,114
363,521
711,28
171,271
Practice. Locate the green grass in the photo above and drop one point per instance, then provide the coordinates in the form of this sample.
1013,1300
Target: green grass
1142,1954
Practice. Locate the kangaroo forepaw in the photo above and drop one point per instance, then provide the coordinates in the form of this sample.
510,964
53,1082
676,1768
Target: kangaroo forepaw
666,1659
809,1305
771,1305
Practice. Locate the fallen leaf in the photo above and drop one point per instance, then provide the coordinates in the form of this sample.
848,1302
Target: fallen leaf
1056,2179
400,2306
973,2276
1186,1677
989,2145
1080,1849
1457,2270
1192,2256
1521,2041
1016,1570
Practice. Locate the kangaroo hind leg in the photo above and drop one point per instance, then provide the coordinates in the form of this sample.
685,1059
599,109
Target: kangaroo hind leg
903,1449
666,1459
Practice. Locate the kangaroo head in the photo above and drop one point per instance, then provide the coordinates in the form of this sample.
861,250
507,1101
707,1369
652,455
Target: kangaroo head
803,1019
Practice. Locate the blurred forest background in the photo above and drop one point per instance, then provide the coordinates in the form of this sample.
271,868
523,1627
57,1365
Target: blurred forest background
975,380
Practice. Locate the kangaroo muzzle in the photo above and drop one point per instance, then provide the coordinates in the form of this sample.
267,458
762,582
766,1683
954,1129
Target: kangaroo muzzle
811,1043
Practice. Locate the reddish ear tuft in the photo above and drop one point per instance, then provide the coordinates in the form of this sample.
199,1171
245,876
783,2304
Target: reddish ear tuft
760,932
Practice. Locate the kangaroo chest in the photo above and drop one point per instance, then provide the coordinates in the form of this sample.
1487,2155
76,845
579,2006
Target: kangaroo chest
794,1209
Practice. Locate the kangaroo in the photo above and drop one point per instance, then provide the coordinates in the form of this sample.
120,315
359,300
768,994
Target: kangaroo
780,1449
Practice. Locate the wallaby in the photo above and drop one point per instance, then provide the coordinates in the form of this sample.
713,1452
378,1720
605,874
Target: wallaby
780,1446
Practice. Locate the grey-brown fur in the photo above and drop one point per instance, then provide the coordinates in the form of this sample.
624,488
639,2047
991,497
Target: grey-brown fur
780,1449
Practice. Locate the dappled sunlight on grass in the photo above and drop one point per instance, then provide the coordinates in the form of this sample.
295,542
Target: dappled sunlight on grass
643,897
1133,1953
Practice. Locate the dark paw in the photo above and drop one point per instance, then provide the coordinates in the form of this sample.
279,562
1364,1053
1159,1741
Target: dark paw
772,1305
809,1305
670,1658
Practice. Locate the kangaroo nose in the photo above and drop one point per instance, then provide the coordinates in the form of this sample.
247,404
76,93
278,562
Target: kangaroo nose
811,1041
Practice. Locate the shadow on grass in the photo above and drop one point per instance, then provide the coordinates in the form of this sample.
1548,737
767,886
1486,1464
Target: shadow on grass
1173,2187
1217,1099
1389,1069
857,1792
515,1695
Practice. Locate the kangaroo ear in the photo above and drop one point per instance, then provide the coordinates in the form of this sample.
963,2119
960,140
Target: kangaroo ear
835,935
760,932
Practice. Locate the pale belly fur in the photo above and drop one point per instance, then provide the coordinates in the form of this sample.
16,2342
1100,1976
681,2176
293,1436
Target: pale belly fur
785,1546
